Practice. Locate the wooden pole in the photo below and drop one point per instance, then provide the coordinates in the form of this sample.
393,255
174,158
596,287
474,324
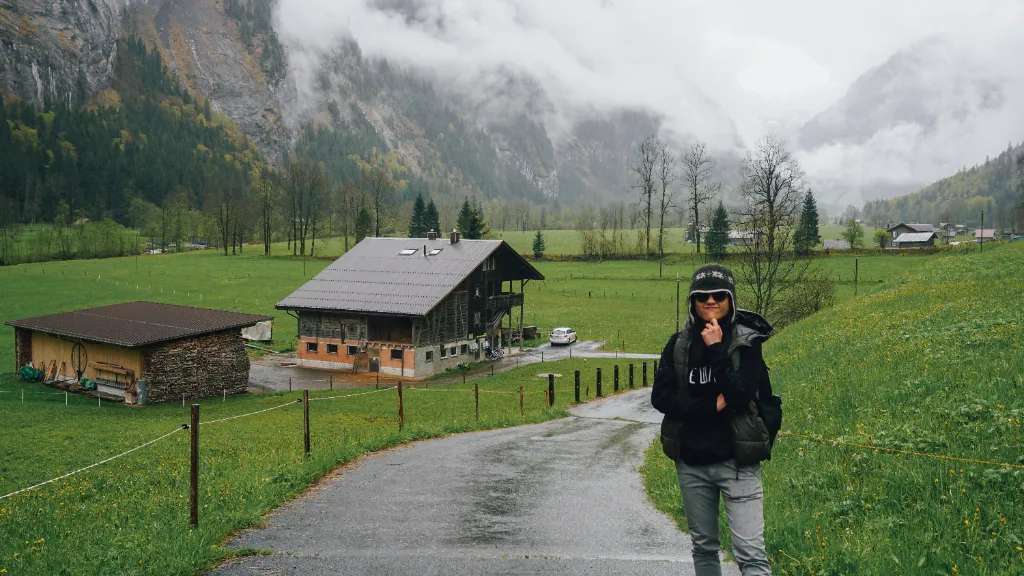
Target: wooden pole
331,378
645,373
598,384
193,493
576,385
401,408
551,389
615,378
305,422
289,383
631,375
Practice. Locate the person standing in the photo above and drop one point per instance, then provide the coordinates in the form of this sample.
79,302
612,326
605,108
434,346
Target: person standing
709,369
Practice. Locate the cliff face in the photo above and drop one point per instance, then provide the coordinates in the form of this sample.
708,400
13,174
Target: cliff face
226,52
58,52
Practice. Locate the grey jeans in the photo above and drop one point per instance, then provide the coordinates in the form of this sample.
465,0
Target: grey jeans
743,494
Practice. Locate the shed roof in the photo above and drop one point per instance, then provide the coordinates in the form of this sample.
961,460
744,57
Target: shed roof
836,244
375,275
914,237
985,233
133,324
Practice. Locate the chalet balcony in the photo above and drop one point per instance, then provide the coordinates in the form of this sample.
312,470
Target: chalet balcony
504,301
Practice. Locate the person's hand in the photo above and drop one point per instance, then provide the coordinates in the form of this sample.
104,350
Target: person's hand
720,403
712,333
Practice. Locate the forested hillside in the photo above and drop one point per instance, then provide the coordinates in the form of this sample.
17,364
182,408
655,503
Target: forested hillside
997,187
144,140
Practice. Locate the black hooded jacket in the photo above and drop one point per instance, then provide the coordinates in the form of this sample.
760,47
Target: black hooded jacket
691,375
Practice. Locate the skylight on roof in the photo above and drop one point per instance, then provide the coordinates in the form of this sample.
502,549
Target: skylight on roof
435,251
408,252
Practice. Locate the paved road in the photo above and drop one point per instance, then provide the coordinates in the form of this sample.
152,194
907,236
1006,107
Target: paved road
268,372
563,497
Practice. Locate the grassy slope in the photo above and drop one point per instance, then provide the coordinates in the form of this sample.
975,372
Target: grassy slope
130,516
933,364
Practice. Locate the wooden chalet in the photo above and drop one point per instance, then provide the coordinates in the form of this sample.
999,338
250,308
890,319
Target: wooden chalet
915,240
142,352
911,228
410,307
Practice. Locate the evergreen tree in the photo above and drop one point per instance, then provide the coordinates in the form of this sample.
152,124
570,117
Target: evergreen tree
807,235
418,224
718,235
471,222
538,245
431,221
465,219
364,223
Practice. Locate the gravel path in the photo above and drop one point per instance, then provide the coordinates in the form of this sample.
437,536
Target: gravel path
562,497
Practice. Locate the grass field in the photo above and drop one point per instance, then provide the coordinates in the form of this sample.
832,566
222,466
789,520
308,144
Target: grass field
932,364
130,516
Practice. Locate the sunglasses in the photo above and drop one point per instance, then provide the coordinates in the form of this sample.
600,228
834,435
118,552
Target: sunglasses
718,296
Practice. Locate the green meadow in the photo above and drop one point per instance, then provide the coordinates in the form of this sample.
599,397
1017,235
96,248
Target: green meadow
930,371
847,372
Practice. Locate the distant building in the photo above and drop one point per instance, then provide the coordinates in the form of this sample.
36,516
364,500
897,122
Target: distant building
740,238
984,234
409,306
904,228
704,229
830,245
915,240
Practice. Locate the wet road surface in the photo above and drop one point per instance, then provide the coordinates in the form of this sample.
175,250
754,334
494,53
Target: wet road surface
562,497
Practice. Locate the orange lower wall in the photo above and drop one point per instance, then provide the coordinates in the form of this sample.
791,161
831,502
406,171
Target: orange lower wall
343,357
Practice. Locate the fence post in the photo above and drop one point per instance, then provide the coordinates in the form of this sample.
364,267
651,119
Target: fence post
193,492
644,381
289,383
492,368
476,398
631,375
598,385
551,389
655,368
305,422
401,408
615,378
332,381
541,356
521,412
576,385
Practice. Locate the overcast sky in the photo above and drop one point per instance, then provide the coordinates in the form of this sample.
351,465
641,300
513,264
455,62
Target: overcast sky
724,72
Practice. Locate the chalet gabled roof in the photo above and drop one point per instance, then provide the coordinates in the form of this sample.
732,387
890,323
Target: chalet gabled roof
376,277
917,227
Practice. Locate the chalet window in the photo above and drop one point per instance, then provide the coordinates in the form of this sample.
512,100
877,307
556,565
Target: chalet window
453,351
430,356
396,353
443,351
332,348
435,251
465,348
408,252
310,346
353,350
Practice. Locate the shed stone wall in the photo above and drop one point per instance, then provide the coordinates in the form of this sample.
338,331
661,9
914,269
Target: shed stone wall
196,367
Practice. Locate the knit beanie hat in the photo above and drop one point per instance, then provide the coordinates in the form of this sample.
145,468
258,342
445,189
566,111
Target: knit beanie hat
713,278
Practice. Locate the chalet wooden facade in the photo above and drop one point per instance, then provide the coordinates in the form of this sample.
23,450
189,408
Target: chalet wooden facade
142,352
410,307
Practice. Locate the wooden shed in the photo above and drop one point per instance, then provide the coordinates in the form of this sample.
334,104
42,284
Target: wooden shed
144,352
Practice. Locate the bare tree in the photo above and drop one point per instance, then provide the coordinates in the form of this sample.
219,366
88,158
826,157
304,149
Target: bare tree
306,187
265,197
380,178
699,187
772,189
666,170
645,168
